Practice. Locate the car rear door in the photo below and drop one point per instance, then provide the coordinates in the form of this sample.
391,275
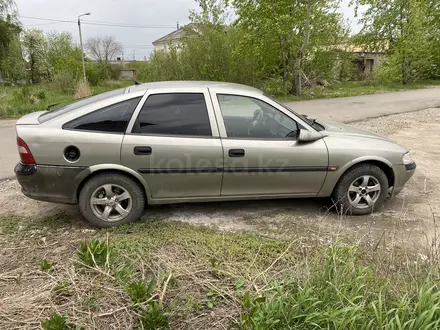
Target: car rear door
260,159
173,142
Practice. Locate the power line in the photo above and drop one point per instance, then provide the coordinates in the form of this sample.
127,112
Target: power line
98,23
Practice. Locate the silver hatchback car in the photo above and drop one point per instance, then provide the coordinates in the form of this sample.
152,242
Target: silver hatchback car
171,142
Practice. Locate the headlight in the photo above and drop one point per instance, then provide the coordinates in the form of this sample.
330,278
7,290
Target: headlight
407,159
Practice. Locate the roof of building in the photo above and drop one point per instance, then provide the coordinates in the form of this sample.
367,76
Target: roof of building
177,84
175,35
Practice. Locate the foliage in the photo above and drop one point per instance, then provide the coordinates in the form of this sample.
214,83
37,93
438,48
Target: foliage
406,30
94,253
63,56
64,81
153,316
35,50
58,322
341,294
139,291
46,266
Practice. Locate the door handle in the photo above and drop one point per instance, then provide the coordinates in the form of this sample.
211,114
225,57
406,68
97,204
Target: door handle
236,152
141,151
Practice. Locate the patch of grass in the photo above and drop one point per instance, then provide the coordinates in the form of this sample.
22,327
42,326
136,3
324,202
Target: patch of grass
171,275
46,266
18,101
58,322
94,253
355,88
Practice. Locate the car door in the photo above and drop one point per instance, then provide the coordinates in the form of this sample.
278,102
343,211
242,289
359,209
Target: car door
173,142
261,153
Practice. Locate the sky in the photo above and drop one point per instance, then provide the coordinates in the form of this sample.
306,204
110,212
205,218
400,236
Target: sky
137,41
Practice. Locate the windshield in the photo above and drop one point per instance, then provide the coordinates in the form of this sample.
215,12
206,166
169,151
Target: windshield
311,122
76,105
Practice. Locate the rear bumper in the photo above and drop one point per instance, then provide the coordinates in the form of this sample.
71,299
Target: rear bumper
56,184
402,173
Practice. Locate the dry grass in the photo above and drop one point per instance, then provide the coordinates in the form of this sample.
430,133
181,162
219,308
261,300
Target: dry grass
203,279
82,90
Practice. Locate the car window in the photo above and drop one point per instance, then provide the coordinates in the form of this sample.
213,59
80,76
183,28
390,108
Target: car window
76,105
174,114
113,118
247,117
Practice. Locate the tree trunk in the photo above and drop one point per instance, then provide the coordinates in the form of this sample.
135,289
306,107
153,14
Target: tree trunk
283,61
296,76
298,61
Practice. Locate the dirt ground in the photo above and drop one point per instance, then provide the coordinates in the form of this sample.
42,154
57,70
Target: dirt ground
410,216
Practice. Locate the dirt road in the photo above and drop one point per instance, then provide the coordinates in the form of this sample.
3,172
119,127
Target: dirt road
344,109
409,216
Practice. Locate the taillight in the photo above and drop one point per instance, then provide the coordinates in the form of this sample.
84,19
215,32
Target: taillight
25,154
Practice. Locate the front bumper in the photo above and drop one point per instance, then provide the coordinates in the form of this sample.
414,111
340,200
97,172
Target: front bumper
402,173
56,184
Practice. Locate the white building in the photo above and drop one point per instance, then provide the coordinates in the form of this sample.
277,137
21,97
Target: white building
172,39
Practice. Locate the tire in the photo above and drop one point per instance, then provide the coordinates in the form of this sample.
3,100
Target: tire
123,196
350,195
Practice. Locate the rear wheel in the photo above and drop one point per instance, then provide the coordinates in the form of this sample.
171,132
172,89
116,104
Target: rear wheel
361,190
111,199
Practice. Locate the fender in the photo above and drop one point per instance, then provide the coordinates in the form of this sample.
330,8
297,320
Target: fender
118,167
332,178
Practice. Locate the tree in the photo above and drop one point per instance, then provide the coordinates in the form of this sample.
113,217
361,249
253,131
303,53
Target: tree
286,33
103,49
9,27
35,50
62,54
406,29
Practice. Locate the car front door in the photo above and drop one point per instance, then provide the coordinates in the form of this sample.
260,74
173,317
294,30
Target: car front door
173,142
261,153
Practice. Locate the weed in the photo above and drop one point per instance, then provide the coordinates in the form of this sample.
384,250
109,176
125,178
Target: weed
46,266
58,322
139,292
94,253
153,316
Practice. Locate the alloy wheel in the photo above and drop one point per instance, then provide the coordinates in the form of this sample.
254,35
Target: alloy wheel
364,192
111,202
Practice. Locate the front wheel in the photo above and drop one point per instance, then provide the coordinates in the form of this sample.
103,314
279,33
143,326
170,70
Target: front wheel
361,190
111,199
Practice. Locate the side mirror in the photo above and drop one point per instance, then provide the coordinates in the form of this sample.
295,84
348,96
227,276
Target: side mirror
307,136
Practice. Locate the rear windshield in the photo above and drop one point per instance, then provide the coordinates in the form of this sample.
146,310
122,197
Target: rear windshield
68,108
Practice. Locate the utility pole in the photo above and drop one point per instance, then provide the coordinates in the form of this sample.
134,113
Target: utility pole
82,48
178,26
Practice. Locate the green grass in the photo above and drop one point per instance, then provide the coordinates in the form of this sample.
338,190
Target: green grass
14,105
356,88
168,275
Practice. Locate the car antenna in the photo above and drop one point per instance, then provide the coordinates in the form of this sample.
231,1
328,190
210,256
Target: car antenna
51,106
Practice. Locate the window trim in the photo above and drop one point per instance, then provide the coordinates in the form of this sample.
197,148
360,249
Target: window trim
254,138
96,110
208,103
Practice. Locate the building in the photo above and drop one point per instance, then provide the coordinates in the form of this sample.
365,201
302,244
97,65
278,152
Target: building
173,39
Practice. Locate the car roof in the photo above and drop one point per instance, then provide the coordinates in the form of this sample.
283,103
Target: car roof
177,84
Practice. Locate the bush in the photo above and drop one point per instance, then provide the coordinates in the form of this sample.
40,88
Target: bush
276,86
65,82
94,74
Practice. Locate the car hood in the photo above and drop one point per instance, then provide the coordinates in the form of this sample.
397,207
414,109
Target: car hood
333,128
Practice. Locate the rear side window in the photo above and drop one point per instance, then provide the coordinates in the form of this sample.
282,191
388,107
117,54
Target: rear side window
113,118
76,105
174,114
